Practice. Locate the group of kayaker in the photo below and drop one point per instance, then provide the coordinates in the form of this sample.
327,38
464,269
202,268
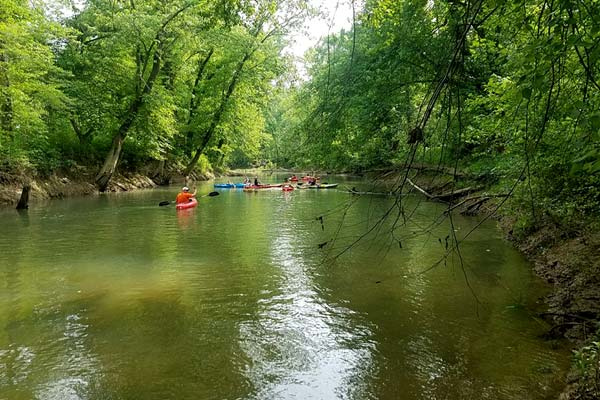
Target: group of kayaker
310,180
185,196
247,181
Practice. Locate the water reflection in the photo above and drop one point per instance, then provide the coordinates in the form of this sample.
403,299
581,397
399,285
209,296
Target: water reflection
300,346
435,338
186,218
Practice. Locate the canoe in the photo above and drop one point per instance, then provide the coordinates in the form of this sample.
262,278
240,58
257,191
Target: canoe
323,186
191,204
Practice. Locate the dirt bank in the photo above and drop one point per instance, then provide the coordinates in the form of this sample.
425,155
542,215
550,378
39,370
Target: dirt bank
569,260
79,182
61,185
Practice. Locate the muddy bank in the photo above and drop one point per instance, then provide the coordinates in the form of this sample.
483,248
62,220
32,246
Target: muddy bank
80,182
63,185
569,260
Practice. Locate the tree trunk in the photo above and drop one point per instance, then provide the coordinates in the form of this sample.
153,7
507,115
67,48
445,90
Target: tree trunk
160,176
23,203
218,115
84,137
194,99
221,156
110,163
143,88
112,158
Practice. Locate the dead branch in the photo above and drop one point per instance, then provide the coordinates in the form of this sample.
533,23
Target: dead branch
429,196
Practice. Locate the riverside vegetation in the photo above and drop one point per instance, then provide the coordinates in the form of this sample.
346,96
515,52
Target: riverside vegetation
501,96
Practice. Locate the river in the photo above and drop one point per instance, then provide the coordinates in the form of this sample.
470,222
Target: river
253,296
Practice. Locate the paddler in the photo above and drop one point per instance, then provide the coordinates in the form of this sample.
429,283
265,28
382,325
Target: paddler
185,196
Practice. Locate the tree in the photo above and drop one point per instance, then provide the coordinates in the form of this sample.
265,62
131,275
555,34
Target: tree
29,81
263,25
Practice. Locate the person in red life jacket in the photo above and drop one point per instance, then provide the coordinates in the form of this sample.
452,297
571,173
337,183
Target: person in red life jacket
185,196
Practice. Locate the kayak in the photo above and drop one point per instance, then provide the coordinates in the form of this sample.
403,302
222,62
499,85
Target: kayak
253,187
191,204
323,186
228,185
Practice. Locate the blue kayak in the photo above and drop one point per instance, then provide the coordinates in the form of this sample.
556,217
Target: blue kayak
228,185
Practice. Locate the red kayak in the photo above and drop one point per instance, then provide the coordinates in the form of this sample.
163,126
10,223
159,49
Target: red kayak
254,187
191,204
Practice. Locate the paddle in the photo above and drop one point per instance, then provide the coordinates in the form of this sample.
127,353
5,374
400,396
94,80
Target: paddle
166,203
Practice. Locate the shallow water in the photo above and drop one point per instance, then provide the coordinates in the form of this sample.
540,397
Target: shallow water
113,297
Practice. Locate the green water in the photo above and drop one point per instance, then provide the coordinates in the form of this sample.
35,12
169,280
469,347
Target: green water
113,297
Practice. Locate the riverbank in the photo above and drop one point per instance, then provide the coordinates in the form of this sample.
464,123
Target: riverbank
62,185
566,257
79,181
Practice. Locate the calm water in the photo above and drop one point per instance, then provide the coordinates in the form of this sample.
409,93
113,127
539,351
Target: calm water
113,297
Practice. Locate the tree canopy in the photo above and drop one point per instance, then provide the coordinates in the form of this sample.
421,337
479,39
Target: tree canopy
506,89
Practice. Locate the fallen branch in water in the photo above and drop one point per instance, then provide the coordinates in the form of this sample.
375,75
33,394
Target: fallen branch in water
429,196
444,197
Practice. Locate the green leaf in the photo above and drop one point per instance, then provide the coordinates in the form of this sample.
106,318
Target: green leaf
526,92
595,121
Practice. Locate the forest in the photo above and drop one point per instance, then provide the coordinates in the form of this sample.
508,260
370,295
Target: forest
506,92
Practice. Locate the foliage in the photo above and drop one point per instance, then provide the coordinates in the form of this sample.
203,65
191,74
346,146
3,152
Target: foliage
587,363
150,74
506,90
29,82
